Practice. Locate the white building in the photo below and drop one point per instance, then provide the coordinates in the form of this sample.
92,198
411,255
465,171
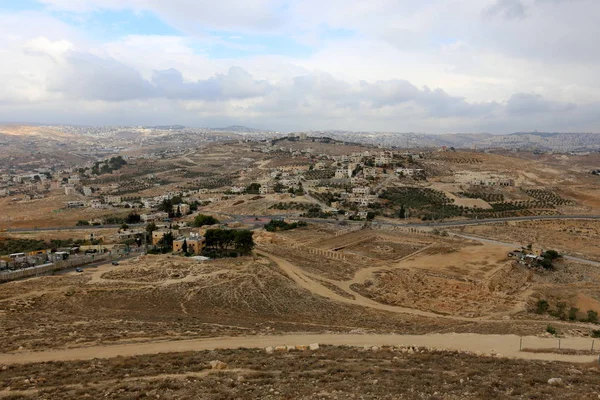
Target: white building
69,190
112,199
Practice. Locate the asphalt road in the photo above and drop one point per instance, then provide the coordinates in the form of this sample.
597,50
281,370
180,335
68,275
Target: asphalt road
240,218
95,264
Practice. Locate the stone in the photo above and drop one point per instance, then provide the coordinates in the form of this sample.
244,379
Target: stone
302,347
555,382
269,350
282,349
216,364
313,346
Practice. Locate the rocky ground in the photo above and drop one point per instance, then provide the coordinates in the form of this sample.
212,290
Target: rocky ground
325,373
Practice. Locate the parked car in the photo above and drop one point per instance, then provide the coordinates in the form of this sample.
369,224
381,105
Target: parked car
78,270
115,263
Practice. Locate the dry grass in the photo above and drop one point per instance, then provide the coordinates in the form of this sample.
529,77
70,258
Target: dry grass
330,372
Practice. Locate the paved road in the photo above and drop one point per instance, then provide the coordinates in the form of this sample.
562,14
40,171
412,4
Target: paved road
69,228
241,217
495,220
501,345
95,264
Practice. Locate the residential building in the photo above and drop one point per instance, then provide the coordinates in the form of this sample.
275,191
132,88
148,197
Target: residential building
159,234
155,217
408,171
183,208
112,199
87,191
69,190
195,243
266,189
96,204
365,190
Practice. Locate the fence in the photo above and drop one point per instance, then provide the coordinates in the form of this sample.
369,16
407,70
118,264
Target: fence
47,268
538,344
351,229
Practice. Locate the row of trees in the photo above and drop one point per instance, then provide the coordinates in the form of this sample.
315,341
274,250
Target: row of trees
280,225
560,311
224,242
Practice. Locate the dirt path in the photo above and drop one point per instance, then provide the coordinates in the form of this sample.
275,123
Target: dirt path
501,345
305,282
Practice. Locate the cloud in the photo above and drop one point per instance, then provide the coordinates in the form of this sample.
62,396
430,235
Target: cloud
526,104
194,16
236,84
507,9
85,76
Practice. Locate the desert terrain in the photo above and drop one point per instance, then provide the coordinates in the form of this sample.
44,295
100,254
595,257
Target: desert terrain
428,265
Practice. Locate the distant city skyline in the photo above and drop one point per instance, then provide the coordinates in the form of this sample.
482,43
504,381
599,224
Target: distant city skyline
435,66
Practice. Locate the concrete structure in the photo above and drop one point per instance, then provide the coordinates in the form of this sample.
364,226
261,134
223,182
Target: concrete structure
159,234
75,204
183,208
112,199
195,244
69,190
408,171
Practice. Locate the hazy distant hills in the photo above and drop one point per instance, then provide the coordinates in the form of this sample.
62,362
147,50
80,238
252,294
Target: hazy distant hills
555,141
241,130
543,141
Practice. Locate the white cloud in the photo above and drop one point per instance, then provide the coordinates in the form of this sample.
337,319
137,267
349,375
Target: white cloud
433,65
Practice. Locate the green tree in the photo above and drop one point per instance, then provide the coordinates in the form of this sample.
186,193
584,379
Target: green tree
244,242
184,246
253,188
151,227
542,307
202,220
402,212
573,313
166,243
592,316
133,218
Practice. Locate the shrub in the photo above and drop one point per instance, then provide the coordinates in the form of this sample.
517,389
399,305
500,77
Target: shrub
592,316
573,313
595,333
542,307
551,330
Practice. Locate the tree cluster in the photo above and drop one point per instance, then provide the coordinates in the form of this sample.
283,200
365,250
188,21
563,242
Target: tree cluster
228,242
203,220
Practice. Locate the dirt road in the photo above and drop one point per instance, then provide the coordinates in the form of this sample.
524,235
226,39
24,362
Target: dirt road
500,345
303,280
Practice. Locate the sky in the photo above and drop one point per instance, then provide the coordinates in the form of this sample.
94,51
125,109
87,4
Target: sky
432,66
